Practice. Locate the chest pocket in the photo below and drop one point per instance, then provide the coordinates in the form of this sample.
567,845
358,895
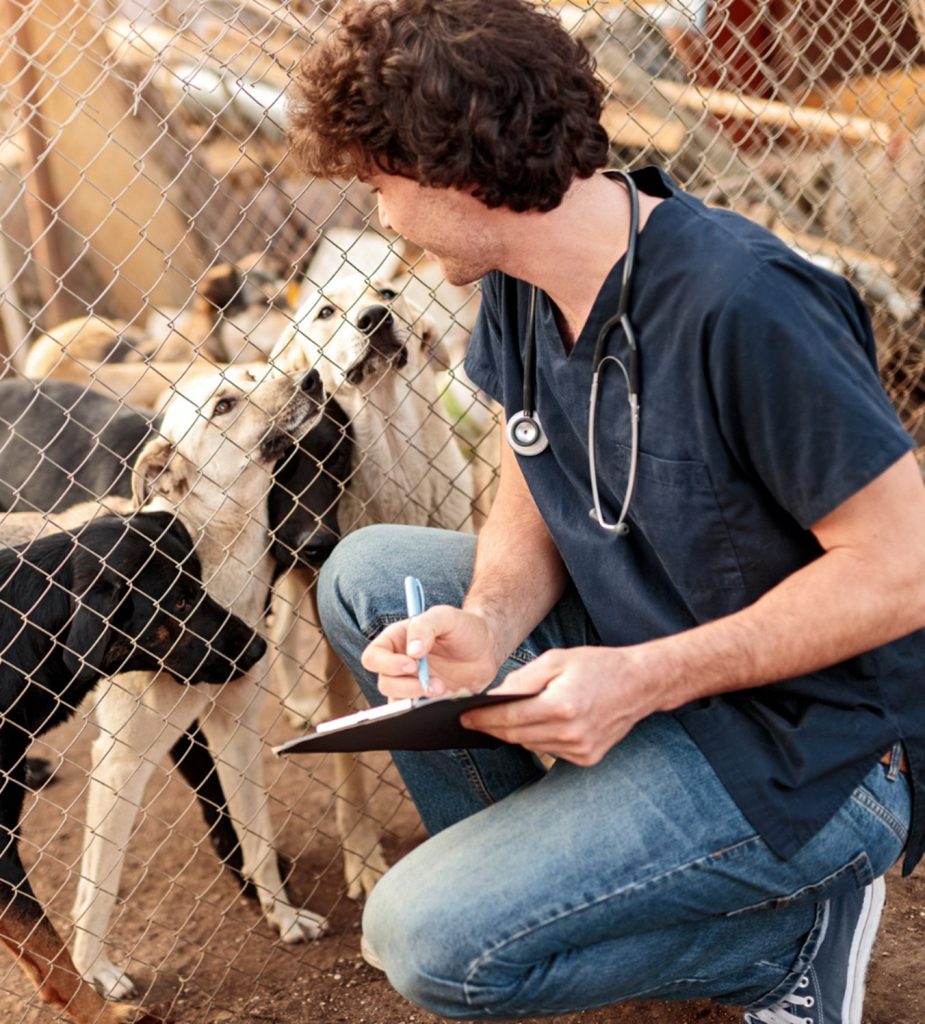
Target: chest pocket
674,508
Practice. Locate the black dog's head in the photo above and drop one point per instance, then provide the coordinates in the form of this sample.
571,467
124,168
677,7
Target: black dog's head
139,604
307,485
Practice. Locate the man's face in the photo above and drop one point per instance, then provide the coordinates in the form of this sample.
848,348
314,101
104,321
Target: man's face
448,224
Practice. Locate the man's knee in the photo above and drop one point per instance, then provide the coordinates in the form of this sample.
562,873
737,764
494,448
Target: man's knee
345,583
417,949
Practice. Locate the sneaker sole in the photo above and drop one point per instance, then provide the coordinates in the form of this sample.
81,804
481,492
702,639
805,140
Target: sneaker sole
862,946
369,954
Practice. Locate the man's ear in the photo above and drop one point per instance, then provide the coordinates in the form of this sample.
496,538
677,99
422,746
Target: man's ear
89,631
160,470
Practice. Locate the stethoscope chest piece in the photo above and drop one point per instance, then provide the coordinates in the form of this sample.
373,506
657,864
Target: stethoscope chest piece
525,434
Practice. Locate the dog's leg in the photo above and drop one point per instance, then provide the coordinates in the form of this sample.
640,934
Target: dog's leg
233,728
32,939
133,738
194,761
364,862
294,631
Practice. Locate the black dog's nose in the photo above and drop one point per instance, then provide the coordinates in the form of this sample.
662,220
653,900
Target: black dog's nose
311,384
254,651
316,546
374,317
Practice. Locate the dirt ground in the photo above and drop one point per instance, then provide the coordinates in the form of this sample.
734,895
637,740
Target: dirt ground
201,954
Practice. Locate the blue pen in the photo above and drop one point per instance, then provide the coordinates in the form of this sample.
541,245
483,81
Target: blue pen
414,599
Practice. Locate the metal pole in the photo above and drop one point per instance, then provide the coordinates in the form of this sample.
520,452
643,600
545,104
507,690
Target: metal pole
40,200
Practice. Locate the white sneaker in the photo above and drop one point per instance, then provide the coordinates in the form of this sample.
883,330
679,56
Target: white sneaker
832,990
369,954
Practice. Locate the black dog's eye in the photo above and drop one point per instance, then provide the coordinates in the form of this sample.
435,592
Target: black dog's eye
181,605
223,405
388,294
325,313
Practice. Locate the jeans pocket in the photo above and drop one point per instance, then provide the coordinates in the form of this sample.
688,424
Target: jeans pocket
856,874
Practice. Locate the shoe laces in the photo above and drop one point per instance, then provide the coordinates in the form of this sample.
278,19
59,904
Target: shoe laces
786,1010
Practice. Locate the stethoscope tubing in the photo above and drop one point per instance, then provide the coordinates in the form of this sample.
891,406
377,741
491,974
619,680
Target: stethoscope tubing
630,370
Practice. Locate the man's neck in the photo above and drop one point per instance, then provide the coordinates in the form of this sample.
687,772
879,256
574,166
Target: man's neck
568,252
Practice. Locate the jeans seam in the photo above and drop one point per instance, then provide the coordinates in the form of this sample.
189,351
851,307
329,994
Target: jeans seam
560,915
374,628
473,776
864,798
858,865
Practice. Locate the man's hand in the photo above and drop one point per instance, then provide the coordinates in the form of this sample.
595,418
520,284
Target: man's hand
588,699
458,646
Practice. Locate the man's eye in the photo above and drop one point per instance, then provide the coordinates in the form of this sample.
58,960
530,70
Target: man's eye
325,313
388,294
222,406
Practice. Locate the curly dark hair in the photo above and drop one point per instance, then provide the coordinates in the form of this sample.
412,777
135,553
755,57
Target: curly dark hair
492,96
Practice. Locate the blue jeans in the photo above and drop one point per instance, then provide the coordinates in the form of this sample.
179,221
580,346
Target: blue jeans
546,892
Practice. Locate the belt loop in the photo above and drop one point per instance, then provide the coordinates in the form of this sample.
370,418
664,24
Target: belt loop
896,758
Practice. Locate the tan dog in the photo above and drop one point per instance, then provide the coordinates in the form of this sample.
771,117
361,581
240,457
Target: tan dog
67,351
376,356
220,439
22,527
236,315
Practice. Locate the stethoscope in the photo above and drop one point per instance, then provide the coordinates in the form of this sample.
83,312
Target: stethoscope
525,433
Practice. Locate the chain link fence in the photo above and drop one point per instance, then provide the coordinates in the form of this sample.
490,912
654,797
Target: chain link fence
156,247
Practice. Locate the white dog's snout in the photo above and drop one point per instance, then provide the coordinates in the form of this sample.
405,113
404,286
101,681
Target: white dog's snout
372,318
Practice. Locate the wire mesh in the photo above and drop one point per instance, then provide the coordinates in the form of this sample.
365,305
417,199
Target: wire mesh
156,245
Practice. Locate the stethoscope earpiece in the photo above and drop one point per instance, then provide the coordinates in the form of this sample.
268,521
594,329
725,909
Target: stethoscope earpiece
525,434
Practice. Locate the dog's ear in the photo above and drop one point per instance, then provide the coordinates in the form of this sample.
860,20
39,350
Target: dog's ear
222,291
160,470
97,596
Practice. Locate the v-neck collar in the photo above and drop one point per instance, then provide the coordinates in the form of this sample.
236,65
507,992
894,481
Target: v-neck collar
652,181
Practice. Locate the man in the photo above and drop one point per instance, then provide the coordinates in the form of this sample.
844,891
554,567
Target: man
731,689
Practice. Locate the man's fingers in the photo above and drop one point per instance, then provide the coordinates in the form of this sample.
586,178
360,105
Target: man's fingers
386,654
536,675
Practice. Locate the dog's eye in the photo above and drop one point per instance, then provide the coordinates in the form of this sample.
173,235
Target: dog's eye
325,313
181,605
222,406
388,294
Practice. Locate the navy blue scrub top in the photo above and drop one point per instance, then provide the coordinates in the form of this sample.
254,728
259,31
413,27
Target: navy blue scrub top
761,412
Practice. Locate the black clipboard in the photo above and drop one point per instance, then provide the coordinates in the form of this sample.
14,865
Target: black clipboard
419,723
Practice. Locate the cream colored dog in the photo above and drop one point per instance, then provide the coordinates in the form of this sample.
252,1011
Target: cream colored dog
377,357
221,436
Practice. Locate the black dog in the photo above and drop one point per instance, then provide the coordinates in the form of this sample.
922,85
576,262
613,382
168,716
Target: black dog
61,444
118,595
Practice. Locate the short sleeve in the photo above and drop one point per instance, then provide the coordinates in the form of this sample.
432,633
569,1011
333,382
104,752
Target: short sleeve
483,357
793,366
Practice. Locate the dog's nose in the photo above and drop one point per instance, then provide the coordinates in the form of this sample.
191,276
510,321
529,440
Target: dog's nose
315,546
311,385
374,317
254,652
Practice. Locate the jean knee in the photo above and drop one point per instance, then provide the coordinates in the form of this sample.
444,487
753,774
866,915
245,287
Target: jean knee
417,949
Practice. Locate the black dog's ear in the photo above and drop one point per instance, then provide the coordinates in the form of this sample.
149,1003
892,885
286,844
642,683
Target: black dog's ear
88,636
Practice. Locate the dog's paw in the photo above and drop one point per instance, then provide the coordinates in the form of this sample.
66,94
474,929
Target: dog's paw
111,981
363,873
127,1013
298,925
